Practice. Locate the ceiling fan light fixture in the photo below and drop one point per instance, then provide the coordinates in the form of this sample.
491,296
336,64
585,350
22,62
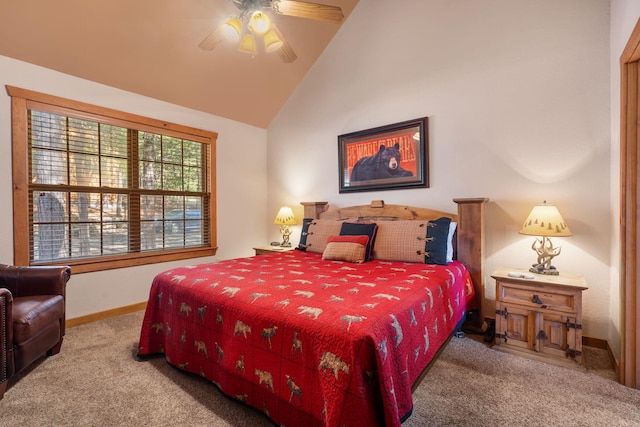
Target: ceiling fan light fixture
256,20
248,44
272,42
232,29
260,23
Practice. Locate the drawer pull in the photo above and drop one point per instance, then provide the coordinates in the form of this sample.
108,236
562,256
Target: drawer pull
536,300
542,335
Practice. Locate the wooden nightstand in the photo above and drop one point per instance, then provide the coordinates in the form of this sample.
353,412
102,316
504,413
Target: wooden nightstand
262,250
540,317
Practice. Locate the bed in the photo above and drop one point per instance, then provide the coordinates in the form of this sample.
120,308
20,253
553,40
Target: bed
335,333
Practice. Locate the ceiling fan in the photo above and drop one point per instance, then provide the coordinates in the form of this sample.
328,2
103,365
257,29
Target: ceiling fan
254,21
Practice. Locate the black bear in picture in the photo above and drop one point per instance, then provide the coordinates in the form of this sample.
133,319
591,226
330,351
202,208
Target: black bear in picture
385,164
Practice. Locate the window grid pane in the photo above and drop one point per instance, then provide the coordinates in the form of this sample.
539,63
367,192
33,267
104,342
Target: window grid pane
91,215
49,219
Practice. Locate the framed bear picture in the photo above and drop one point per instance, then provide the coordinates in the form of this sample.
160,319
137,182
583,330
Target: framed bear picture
384,158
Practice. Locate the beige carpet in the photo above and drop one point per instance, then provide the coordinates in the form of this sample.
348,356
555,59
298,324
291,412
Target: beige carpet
96,380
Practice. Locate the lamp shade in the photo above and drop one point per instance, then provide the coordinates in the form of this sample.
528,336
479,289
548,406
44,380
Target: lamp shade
248,44
545,220
260,23
285,217
232,28
272,42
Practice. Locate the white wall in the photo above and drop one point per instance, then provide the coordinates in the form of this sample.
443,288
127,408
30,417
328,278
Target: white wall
241,187
624,15
517,95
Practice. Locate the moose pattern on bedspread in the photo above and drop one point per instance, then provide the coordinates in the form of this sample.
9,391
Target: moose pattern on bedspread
307,341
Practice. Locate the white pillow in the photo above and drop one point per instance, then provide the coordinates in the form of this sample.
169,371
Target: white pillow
452,229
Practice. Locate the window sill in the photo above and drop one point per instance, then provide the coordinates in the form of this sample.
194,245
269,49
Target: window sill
110,263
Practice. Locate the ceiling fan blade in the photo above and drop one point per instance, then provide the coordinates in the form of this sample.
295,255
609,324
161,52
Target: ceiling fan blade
212,40
285,53
302,9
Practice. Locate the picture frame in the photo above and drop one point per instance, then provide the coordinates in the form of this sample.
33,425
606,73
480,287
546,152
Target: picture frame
389,157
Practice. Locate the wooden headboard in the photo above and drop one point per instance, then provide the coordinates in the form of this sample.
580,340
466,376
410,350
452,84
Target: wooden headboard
470,230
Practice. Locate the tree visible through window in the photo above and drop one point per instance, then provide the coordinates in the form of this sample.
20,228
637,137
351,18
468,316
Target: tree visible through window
104,187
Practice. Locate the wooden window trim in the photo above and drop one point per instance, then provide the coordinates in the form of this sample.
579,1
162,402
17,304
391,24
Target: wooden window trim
21,99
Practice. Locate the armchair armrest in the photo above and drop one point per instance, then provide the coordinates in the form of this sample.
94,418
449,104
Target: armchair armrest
6,333
28,281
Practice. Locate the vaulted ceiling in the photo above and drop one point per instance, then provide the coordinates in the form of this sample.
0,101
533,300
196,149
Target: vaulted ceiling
150,47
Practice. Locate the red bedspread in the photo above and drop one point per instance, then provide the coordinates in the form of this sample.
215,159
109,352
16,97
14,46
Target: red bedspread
307,341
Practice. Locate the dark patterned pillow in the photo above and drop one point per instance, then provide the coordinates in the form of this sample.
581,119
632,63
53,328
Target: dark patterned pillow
437,238
302,245
361,229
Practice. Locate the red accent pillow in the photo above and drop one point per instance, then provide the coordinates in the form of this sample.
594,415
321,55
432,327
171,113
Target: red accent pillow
360,239
346,248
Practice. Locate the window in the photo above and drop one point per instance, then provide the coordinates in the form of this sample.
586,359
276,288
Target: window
97,189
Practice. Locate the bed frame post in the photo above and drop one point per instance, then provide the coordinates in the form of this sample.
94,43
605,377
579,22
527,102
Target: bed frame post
471,246
314,209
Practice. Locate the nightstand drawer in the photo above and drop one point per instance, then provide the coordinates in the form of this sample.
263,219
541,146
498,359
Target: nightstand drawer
536,297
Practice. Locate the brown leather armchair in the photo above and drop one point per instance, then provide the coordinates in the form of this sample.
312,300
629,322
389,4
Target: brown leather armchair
32,316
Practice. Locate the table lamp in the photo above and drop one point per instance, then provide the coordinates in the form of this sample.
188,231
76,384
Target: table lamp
284,219
545,221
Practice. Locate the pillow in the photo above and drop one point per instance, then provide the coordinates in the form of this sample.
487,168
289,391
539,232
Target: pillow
318,232
452,230
412,241
402,240
302,245
346,248
358,229
437,241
